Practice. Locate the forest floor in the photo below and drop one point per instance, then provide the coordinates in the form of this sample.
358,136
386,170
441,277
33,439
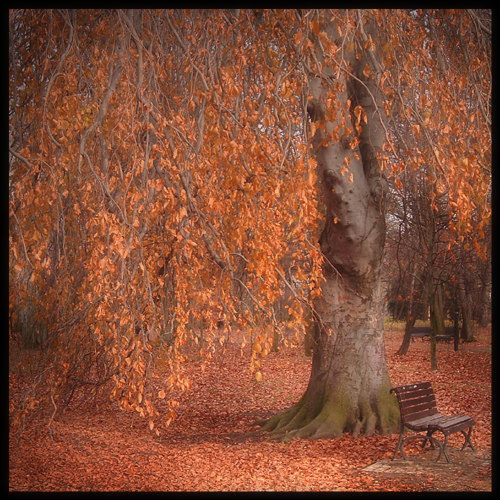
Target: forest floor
212,446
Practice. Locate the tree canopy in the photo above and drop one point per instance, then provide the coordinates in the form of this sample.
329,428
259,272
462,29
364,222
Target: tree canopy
161,179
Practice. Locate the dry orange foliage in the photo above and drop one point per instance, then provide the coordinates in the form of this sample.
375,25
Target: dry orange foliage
212,446
161,182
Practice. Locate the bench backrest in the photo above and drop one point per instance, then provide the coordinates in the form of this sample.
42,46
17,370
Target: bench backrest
415,401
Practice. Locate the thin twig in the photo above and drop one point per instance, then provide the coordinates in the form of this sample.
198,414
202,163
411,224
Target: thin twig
187,52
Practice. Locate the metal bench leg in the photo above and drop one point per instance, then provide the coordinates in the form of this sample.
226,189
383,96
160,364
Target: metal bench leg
444,448
399,447
433,441
445,443
467,438
427,438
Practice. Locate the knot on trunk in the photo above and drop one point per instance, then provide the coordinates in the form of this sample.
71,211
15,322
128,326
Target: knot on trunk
315,110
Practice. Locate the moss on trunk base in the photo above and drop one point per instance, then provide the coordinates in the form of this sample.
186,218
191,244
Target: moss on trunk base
330,415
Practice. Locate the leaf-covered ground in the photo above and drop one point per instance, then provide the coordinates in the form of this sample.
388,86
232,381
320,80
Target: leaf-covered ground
211,446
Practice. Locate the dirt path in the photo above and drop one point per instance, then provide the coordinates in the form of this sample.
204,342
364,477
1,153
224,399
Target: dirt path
468,471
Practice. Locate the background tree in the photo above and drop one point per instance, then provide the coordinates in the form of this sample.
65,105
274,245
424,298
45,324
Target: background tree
161,180
432,211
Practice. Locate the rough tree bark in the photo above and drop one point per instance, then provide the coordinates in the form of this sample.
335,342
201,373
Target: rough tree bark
349,384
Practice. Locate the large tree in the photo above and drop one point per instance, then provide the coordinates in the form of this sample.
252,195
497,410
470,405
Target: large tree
349,384
165,165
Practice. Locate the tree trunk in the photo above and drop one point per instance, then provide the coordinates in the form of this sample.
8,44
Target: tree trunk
309,335
437,322
349,384
410,318
466,307
467,332
485,300
456,333
405,344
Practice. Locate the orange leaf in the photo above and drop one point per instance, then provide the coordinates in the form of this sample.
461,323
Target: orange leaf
315,27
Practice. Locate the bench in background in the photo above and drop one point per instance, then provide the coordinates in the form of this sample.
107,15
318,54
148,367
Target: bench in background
424,333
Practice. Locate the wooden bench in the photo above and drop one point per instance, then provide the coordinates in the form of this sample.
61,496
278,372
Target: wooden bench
424,333
419,413
419,332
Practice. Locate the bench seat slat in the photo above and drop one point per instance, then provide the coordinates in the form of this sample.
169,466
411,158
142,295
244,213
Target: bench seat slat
409,395
411,387
448,421
418,398
415,405
423,398
418,415
423,423
411,413
449,425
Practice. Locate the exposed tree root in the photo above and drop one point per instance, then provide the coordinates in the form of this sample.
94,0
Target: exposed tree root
310,420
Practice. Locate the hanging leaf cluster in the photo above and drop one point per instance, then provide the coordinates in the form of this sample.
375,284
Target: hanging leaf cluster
161,182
